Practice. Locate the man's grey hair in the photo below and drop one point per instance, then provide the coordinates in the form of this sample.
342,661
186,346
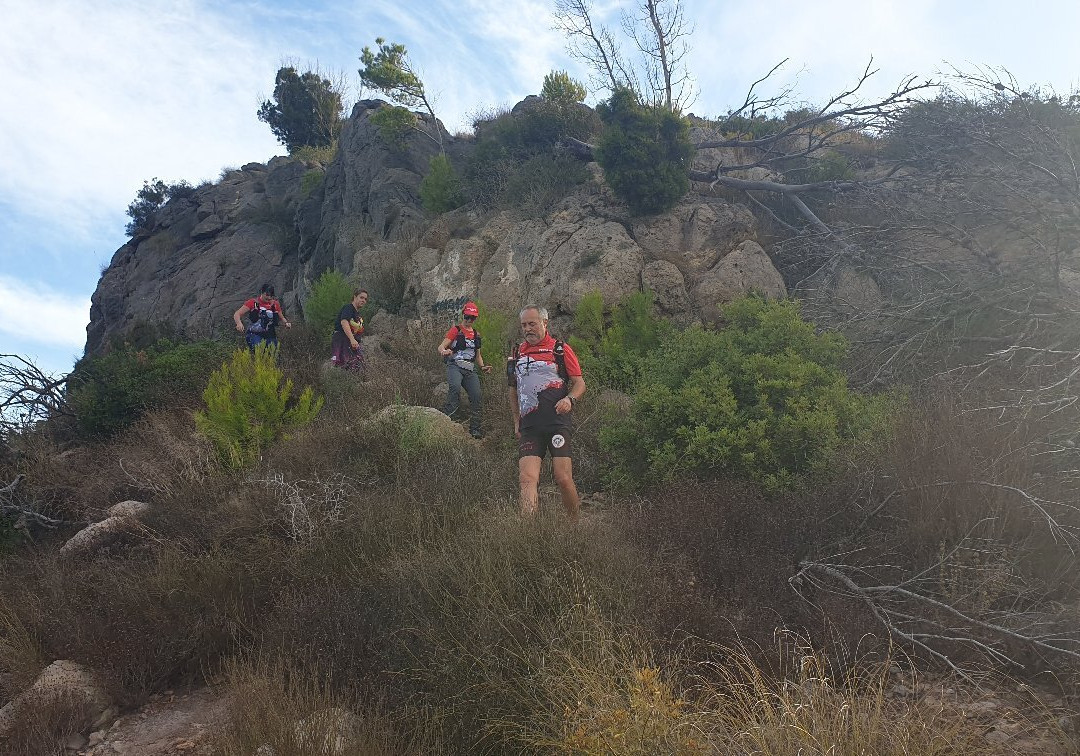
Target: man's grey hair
542,311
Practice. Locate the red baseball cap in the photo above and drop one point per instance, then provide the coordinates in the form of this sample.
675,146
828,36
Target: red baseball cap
470,308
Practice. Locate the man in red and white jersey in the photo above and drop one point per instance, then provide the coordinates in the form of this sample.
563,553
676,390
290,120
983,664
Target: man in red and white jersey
545,380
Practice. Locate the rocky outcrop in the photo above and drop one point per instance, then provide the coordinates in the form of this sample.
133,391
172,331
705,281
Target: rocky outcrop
204,256
63,686
287,221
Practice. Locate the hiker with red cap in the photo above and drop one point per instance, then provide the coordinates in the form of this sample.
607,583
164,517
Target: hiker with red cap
460,349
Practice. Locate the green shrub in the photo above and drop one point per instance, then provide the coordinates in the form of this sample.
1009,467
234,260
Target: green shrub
311,180
312,154
612,353
832,166
248,406
559,87
540,181
151,198
645,152
110,392
394,124
497,331
764,398
440,189
329,294
306,109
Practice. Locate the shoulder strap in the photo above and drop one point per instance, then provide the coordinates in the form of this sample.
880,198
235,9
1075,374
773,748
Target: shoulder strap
560,360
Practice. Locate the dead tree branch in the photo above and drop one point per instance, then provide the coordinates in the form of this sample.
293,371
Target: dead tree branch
28,394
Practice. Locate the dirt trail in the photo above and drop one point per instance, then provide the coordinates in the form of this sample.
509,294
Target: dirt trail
169,725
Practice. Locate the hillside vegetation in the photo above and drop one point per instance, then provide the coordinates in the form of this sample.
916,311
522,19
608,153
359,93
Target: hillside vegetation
842,522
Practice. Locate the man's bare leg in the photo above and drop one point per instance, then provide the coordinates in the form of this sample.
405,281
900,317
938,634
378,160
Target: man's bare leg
563,469
529,477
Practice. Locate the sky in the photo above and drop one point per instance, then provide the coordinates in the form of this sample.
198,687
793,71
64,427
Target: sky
99,95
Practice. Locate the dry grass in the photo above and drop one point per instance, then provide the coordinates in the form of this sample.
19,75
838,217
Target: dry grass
376,568
301,712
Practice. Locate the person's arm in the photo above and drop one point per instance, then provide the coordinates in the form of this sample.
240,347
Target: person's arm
236,316
573,393
444,348
284,321
346,328
480,362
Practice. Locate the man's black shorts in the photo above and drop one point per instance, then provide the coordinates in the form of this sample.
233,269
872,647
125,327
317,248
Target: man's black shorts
537,442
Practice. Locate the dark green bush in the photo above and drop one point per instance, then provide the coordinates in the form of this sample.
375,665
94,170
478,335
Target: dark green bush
148,200
306,109
515,163
764,399
110,392
311,180
645,152
394,124
440,189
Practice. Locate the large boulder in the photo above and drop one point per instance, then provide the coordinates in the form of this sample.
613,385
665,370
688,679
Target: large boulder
121,518
63,685
668,286
696,233
747,269
426,425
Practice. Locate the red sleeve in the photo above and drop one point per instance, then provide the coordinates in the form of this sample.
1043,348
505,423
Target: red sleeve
250,304
277,307
570,360
451,334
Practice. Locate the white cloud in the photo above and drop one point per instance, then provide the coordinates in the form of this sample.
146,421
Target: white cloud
37,314
110,94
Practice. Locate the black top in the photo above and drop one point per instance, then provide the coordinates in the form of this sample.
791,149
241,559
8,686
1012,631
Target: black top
348,312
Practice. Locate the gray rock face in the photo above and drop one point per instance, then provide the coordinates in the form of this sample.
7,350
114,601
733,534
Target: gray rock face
206,254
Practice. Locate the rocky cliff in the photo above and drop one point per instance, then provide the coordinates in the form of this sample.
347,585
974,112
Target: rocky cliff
287,221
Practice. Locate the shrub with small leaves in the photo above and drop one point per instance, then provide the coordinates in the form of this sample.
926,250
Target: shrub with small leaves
249,406
311,180
764,399
148,200
109,392
440,189
612,354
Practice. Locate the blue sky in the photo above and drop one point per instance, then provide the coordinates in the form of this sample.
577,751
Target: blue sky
99,95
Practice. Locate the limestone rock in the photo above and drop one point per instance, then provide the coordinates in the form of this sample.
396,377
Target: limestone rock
64,684
122,518
747,269
129,508
698,231
666,282
857,290
436,427
96,536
